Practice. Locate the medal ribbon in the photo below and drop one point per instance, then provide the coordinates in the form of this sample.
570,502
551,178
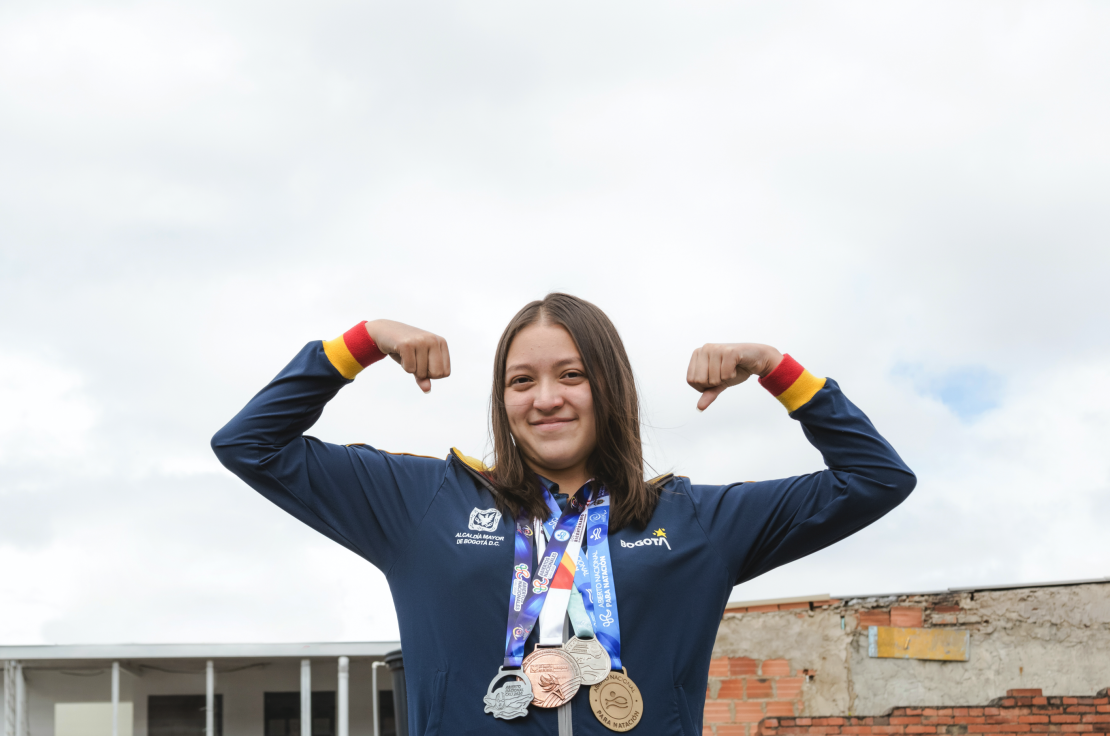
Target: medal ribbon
594,579
555,607
527,593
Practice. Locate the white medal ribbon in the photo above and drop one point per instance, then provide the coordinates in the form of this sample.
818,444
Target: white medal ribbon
554,609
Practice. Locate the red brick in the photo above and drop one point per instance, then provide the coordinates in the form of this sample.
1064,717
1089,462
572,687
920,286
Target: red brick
743,666
789,688
1100,718
718,713
1080,709
874,618
804,721
1076,727
762,609
855,730
921,729
975,711
1040,701
776,667
758,688
887,729
749,712
944,711
1033,719
718,667
960,712
1028,692
906,617
937,720
1071,701
1064,719
905,720
912,711
779,708
771,722
1102,708
731,689
991,711
732,731
928,711
793,606
706,731
831,602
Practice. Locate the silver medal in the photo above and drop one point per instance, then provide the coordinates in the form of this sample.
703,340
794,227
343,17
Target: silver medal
511,699
591,657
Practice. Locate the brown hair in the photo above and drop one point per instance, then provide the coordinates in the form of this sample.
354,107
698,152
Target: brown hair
617,459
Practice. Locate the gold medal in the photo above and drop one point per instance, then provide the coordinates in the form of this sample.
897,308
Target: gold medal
554,675
616,702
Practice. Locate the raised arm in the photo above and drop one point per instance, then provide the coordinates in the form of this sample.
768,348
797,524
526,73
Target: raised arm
363,498
759,526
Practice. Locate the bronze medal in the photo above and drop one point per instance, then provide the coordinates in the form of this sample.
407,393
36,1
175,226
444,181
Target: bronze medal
616,702
554,675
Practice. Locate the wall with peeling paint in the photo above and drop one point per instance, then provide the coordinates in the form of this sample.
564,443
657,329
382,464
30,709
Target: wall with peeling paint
1054,638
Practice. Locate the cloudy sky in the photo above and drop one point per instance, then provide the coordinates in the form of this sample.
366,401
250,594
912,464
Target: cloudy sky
911,198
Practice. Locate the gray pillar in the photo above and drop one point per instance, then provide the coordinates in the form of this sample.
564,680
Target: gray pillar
20,701
210,699
115,698
306,697
8,723
341,696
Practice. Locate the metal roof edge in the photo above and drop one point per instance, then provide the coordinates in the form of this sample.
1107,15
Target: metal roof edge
778,601
197,651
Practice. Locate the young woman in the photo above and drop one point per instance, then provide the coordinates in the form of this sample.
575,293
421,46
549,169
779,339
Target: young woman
562,535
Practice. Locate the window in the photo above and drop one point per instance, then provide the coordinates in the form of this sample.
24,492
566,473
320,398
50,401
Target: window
283,714
180,715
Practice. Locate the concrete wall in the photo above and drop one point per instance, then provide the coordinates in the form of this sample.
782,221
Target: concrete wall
242,691
1053,638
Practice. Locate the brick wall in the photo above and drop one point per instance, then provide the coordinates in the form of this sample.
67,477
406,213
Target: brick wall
742,692
1021,712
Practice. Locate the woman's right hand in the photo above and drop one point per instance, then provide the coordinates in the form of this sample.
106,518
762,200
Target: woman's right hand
420,353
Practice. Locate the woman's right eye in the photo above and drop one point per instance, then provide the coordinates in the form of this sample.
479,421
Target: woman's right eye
519,380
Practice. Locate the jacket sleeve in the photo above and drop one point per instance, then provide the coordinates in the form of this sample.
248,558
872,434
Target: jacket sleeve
367,500
759,526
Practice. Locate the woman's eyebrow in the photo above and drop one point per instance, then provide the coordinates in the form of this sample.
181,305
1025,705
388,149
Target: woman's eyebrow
529,366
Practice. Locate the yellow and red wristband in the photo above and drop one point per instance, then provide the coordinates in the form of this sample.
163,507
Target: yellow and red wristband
352,351
792,384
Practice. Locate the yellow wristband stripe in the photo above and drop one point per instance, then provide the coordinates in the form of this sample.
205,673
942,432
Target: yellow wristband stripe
804,388
340,356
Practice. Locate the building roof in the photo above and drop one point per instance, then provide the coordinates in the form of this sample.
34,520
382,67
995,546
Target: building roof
114,652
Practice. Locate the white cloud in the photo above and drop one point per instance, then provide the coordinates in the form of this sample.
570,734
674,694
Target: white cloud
192,193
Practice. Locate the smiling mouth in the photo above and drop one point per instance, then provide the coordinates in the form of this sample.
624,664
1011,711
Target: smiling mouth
551,423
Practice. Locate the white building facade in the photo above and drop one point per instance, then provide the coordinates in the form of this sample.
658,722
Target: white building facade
332,689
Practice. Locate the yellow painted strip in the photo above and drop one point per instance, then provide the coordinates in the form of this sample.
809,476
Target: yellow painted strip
801,391
890,642
341,357
471,461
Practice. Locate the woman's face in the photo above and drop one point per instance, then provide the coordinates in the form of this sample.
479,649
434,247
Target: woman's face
548,399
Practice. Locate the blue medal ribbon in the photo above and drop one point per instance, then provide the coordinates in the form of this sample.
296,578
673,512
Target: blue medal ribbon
594,578
528,593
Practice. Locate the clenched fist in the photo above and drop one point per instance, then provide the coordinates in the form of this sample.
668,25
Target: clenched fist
714,367
420,353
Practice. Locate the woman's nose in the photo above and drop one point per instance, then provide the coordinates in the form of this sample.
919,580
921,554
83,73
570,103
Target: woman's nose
548,397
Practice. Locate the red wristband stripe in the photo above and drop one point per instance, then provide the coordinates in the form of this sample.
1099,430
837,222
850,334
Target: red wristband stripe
351,352
783,377
362,346
792,384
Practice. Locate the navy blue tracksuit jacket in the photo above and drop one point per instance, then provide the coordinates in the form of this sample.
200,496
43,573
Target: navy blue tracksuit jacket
408,515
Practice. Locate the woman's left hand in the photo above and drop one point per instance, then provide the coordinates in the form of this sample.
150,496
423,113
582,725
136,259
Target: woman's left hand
714,367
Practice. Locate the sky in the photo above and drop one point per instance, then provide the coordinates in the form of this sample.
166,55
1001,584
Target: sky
910,198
